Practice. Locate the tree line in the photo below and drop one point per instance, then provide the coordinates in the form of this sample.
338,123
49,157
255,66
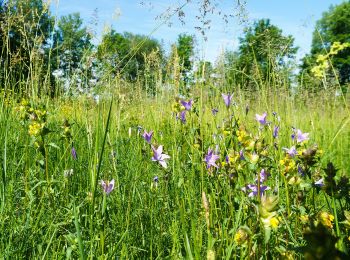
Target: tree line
60,52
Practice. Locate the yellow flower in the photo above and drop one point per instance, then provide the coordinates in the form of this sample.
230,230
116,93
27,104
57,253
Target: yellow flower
35,129
326,219
304,219
241,236
254,158
274,222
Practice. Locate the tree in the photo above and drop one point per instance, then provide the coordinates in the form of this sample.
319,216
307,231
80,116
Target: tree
70,42
26,27
185,50
263,51
334,26
125,53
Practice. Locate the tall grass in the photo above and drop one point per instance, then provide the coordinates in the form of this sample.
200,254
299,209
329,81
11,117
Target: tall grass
186,210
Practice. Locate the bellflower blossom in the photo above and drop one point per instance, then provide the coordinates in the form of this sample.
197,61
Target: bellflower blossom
159,156
107,186
261,118
253,188
211,158
147,136
301,137
187,105
227,99
291,151
214,111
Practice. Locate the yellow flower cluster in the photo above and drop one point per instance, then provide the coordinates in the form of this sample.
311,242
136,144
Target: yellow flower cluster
322,60
326,219
288,164
35,128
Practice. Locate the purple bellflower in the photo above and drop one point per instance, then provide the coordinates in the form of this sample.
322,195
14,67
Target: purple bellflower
301,137
159,156
227,99
261,118
187,105
74,153
291,151
263,176
254,190
148,136
183,116
107,186
211,158
275,131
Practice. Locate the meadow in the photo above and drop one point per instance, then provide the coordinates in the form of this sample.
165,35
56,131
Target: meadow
118,151
136,176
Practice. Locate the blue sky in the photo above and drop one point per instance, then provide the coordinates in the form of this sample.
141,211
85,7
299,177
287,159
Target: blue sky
295,17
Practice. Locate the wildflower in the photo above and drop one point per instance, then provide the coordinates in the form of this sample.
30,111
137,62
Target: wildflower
254,189
304,219
211,158
241,155
275,131
263,176
68,173
274,222
147,136
254,158
302,136
187,105
326,219
74,153
58,73
319,183
261,118
155,182
227,99
35,129
107,186
159,156
214,111
183,116
241,236
291,151
155,179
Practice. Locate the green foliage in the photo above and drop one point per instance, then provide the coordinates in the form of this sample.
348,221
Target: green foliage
263,50
125,53
70,41
185,50
334,26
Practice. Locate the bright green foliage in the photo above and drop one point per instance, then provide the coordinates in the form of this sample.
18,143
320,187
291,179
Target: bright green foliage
334,26
26,26
263,50
185,50
70,42
125,53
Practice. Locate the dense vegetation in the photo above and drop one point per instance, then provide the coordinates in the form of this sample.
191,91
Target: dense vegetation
124,151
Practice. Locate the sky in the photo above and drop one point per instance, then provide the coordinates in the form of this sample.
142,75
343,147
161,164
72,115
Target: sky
294,17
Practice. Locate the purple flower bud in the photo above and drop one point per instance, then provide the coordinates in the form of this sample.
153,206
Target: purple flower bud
74,153
147,136
275,131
